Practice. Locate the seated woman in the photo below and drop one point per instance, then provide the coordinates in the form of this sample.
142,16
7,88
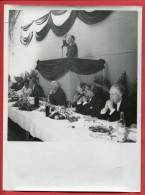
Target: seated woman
91,103
26,90
79,93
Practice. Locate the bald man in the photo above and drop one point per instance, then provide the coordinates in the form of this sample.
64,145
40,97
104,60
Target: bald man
56,95
117,104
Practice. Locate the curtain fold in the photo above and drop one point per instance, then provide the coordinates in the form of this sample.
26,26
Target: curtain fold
89,18
85,66
26,40
54,69
92,17
42,19
58,12
65,27
25,28
43,32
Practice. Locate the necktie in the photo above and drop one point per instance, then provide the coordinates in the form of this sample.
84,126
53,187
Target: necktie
115,107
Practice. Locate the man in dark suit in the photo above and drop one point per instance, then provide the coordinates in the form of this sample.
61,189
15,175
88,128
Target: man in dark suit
117,104
37,90
72,49
91,103
56,95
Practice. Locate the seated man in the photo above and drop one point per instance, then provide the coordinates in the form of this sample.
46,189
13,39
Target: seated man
56,95
118,104
91,103
37,90
79,93
26,90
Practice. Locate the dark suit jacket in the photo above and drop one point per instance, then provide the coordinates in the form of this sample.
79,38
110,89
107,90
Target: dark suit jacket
58,98
92,108
72,50
37,91
128,108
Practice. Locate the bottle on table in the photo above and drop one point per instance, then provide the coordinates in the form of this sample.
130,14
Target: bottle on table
47,107
121,128
69,104
36,101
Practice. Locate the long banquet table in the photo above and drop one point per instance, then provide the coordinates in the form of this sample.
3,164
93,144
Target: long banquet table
47,129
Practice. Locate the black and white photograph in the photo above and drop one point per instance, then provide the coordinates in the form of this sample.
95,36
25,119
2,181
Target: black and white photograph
72,76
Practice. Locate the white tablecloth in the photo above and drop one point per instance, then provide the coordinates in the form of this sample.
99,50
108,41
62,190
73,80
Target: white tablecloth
46,129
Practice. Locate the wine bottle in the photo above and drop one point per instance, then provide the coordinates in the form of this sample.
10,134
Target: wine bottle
121,129
36,101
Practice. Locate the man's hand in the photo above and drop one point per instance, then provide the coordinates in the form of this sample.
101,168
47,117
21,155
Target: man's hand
109,105
80,101
84,99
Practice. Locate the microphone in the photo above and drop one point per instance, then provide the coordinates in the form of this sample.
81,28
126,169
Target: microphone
64,43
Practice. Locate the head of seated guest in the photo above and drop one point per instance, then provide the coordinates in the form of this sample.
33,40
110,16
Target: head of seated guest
56,94
116,104
54,86
37,90
26,83
26,90
91,103
18,83
79,93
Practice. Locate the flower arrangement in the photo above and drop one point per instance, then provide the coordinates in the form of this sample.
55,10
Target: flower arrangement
24,104
19,80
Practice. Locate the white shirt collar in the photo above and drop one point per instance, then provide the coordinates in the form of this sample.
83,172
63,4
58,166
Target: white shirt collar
118,105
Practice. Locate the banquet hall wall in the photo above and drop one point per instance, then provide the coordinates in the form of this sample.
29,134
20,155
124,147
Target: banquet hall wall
114,40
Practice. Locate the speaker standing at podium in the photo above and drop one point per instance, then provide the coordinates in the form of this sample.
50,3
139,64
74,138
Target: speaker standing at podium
72,49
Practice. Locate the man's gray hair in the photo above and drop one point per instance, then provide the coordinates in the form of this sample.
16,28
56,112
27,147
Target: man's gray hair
119,87
55,83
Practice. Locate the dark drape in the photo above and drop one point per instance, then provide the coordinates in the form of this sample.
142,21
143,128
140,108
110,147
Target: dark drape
54,69
26,40
92,17
65,27
58,12
25,28
42,19
58,30
86,17
43,32
85,66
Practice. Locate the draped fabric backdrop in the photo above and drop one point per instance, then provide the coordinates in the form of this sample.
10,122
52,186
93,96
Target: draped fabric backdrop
54,69
87,17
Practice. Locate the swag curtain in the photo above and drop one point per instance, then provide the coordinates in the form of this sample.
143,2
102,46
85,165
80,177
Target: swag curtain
26,40
54,69
89,18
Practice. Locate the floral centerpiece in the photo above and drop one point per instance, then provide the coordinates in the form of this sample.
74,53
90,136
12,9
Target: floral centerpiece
57,112
24,104
14,97
101,129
